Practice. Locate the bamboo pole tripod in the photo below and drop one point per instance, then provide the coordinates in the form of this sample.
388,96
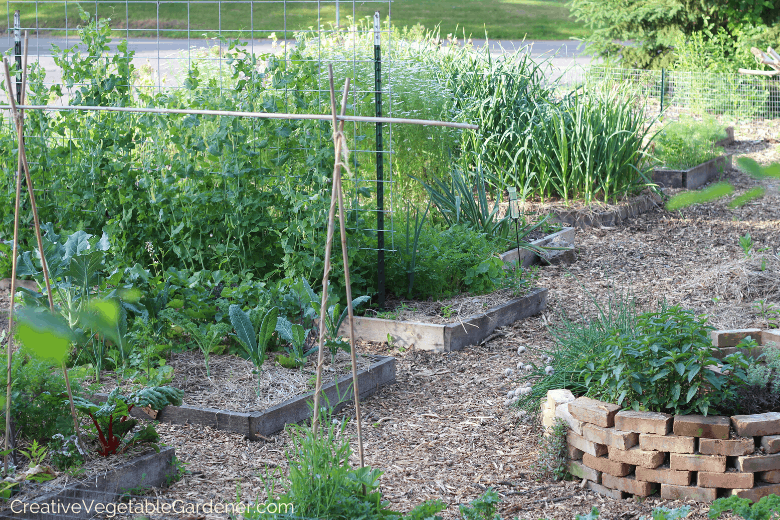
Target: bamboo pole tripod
337,199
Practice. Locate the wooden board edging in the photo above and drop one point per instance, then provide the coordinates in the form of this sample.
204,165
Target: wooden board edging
447,337
270,421
695,177
581,219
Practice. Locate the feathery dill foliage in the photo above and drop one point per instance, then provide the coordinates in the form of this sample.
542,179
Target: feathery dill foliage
687,143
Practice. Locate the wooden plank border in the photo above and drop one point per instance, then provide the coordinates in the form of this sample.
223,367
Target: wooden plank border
267,422
695,177
453,336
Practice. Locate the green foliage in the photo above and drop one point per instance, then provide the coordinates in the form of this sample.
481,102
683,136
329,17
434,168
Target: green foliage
66,452
485,276
689,198
593,515
746,243
112,419
6,252
769,312
482,508
553,458
661,366
579,338
36,454
39,408
687,143
665,513
765,509
254,340
295,336
758,171
748,196
207,336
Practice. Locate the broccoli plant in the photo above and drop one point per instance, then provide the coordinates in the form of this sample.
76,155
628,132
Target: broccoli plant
112,419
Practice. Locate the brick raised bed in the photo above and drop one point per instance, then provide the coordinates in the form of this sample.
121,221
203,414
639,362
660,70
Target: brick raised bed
692,457
692,178
452,336
267,422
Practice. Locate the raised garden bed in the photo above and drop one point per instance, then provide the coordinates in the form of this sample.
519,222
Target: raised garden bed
692,178
562,238
451,336
590,217
255,425
76,500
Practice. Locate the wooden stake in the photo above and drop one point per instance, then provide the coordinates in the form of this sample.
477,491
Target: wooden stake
328,248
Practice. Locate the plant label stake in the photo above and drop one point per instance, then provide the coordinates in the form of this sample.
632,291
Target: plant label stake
514,214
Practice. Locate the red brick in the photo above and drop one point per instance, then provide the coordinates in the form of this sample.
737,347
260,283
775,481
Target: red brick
757,425
772,477
755,463
604,465
732,338
730,448
637,457
726,480
709,426
696,462
697,494
664,475
601,490
643,422
597,450
629,485
610,436
770,336
579,470
669,443
759,491
595,412
573,453
771,443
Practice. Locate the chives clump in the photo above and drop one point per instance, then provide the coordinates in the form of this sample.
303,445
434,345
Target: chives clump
689,198
755,193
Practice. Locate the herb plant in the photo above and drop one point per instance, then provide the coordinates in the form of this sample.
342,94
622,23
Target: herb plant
662,366
765,509
687,143
553,458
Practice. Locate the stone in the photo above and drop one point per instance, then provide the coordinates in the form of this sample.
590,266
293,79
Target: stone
697,462
557,397
726,480
668,443
759,491
601,490
629,485
610,436
604,465
770,336
664,475
644,422
579,470
730,448
770,443
757,425
562,412
573,453
697,494
732,338
753,463
597,450
709,426
637,457
595,412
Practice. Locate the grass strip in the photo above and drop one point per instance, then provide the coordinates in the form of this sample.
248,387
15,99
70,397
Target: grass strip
689,198
755,193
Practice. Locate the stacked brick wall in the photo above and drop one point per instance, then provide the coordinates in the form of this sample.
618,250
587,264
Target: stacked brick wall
624,452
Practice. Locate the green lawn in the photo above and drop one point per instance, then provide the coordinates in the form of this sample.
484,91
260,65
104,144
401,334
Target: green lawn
501,19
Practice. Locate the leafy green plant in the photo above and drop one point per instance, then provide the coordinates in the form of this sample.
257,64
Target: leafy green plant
206,336
746,243
769,312
689,198
482,508
748,196
552,457
295,335
765,509
254,340
665,513
66,453
411,245
36,454
484,277
333,320
112,419
592,515
661,366
686,143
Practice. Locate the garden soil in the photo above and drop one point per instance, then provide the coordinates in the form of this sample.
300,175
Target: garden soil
442,430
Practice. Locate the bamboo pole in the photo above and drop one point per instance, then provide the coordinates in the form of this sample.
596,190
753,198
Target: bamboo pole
338,143
326,272
235,113
19,117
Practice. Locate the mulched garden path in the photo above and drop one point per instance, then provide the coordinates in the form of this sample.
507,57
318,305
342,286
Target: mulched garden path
442,430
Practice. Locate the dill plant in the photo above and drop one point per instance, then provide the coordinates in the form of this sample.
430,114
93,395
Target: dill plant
686,143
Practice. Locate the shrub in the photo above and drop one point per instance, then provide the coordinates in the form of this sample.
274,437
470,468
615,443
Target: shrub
662,366
687,143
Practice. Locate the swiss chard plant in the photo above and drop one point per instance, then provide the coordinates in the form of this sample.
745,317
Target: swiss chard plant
112,421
